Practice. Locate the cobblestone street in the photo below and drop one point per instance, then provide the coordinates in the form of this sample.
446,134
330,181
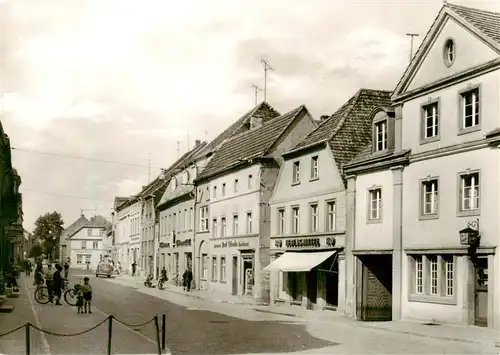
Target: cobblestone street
201,326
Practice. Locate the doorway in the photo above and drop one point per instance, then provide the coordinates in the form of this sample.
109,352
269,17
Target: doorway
481,292
375,288
248,276
312,288
235,275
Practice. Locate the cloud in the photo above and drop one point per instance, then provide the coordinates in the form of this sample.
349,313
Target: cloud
117,80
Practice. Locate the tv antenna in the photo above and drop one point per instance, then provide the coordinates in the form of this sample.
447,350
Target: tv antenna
256,91
412,36
266,68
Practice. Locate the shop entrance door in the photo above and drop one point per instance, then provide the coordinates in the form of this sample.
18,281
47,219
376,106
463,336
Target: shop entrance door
481,292
248,276
376,288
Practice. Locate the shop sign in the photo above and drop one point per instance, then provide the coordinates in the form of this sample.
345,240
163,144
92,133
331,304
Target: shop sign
164,245
183,243
232,244
305,242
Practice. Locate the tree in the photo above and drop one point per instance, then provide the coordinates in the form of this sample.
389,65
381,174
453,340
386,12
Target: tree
35,251
48,229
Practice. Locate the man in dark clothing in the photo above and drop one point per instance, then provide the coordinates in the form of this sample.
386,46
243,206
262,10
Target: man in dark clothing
134,266
57,284
12,275
66,270
187,278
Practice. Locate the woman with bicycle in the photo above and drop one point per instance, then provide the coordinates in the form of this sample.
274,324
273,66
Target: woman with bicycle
57,284
38,275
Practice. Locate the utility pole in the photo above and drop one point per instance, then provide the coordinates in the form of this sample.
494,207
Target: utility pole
256,91
266,68
149,168
178,149
412,35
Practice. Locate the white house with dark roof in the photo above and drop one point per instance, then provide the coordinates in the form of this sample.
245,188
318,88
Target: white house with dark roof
261,113
85,243
63,243
427,196
308,207
241,177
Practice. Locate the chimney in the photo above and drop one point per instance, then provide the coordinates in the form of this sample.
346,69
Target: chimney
255,122
197,143
324,117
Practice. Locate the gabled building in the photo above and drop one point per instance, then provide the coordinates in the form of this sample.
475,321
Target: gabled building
64,253
176,215
85,243
240,177
308,207
426,192
126,225
260,114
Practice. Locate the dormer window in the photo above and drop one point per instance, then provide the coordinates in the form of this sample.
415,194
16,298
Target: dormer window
381,135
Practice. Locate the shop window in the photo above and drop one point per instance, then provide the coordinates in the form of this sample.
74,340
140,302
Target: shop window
222,268
214,268
432,279
204,266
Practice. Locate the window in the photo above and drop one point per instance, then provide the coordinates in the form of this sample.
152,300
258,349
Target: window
431,121
214,227
223,193
314,218
204,219
449,52
381,136
88,257
190,219
84,244
430,191
250,181
433,277
235,225
214,193
89,232
470,109
95,245
236,187
314,167
419,275
223,227
204,266
296,172
331,210
375,204
223,268
281,221
295,220
214,268
249,223
79,258
469,192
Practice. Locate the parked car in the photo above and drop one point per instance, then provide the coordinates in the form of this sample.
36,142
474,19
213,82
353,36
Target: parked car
104,268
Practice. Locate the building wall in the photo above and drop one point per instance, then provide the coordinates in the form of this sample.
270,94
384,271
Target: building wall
147,235
134,220
374,235
202,237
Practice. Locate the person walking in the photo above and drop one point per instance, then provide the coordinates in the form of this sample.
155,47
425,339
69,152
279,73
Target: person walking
57,284
66,270
187,278
27,267
49,278
134,267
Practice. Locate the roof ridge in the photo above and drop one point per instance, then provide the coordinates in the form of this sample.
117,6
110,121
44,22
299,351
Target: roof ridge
297,110
451,6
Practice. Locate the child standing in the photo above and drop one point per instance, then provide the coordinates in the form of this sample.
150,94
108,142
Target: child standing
87,294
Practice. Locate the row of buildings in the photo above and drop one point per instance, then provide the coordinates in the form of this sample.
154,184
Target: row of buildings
386,209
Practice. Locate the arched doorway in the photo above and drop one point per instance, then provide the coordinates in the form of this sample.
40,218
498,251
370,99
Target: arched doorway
201,269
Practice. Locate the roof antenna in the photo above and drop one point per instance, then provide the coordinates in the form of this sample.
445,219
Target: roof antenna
256,91
266,68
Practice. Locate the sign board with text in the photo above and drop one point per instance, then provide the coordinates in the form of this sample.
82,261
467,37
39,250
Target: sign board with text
304,243
233,245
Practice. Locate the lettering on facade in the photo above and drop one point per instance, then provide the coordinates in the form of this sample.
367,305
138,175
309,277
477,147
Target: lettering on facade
304,242
278,243
164,245
330,241
232,244
183,243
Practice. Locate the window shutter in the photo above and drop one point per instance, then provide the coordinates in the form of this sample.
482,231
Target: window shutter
390,132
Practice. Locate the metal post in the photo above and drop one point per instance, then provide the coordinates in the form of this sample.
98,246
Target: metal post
157,335
28,340
163,331
110,332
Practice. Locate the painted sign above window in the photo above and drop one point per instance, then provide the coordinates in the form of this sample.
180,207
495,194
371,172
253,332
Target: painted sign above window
232,244
183,243
305,242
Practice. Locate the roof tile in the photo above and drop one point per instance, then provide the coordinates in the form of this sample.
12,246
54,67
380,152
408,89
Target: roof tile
251,144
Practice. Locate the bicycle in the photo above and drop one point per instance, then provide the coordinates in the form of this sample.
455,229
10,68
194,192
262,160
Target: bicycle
42,294
70,296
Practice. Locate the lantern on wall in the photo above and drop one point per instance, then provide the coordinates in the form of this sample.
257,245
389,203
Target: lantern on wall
470,235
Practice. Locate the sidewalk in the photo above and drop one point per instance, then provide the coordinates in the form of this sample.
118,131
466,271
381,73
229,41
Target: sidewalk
320,322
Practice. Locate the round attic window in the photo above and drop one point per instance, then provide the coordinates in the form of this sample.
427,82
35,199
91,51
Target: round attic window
449,52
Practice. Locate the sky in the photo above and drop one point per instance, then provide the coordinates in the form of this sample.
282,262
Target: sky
124,81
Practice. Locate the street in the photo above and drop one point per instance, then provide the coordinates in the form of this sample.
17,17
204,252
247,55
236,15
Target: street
196,326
